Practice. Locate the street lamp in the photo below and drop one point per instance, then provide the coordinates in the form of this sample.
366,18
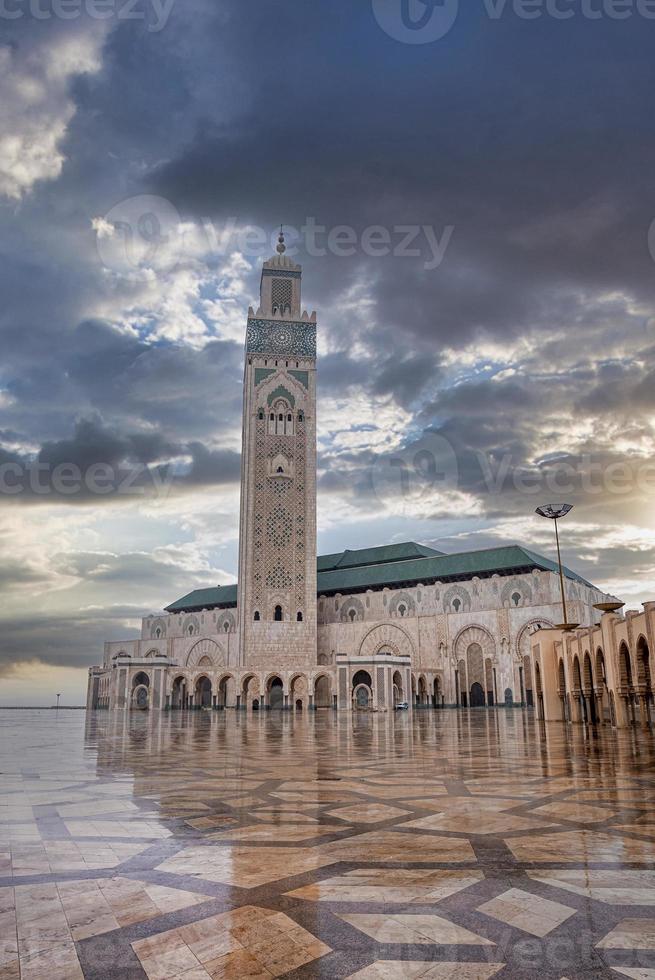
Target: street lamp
58,696
554,512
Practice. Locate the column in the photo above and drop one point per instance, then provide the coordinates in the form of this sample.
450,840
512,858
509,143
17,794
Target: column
622,711
643,708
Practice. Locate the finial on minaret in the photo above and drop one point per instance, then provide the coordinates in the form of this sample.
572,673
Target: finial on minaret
281,247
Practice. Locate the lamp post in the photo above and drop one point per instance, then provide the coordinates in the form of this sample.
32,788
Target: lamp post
58,696
555,512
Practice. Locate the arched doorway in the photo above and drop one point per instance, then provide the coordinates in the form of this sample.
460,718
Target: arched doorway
322,692
477,695
588,689
475,673
298,692
141,691
225,693
602,695
461,681
362,691
578,694
202,697
275,693
438,696
250,692
422,691
527,681
490,681
398,690
626,689
561,689
644,679
178,693
539,690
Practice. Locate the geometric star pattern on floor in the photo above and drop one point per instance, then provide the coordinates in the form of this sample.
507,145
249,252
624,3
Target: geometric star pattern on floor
126,839
623,887
637,972
581,845
246,942
414,929
630,934
412,970
245,867
389,885
480,823
394,845
580,812
538,916
367,812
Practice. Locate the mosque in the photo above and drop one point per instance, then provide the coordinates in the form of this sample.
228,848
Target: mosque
366,629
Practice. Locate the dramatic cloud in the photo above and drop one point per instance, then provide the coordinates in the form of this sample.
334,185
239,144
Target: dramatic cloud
473,220
36,76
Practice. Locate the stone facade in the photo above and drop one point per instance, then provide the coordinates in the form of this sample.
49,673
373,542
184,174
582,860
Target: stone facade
412,644
402,632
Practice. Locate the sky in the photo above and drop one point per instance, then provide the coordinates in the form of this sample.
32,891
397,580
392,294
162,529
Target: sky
469,189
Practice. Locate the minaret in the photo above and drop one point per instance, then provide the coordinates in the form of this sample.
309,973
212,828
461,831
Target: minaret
277,529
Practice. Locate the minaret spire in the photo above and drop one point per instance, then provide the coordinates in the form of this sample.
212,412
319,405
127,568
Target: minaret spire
281,247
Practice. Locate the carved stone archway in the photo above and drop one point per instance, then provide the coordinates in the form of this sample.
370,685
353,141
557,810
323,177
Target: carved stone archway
470,635
204,651
386,637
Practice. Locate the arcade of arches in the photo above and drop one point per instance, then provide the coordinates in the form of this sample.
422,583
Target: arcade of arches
601,675
596,675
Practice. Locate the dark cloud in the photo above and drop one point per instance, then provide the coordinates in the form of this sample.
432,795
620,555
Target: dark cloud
529,347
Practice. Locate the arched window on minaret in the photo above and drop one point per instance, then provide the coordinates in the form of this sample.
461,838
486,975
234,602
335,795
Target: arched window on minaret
256,617
278,614
299,618
282,419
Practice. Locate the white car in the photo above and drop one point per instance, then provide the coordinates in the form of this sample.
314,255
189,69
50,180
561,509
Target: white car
402,706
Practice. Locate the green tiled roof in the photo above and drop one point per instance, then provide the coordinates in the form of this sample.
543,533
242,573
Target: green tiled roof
511,559
394,565
375,556
223,596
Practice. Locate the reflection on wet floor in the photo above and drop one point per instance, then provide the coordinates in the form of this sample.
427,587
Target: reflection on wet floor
434,844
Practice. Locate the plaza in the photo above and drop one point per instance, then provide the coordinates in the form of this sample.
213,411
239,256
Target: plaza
467,844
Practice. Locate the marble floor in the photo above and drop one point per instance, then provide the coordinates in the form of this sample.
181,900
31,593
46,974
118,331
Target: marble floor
434,844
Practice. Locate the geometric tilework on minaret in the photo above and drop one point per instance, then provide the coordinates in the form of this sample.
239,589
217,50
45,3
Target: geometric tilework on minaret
277,531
